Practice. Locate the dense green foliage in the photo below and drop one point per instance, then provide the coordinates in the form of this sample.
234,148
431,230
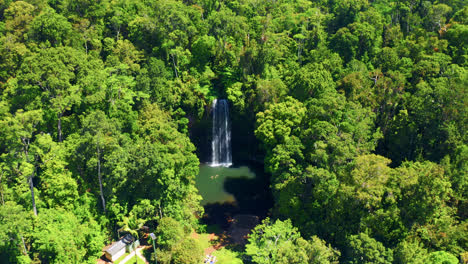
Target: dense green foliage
280,242
359,109
175,245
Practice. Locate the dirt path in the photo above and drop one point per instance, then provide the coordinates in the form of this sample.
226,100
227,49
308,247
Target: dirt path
212,248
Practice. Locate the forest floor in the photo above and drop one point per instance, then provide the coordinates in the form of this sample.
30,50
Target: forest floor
219,245
210,241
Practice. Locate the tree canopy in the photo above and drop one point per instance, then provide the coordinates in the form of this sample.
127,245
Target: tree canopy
356,109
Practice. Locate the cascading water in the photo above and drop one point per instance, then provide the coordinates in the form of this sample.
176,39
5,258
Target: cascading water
221,142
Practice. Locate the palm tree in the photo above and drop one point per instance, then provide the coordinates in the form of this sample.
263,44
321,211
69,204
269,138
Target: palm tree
132,224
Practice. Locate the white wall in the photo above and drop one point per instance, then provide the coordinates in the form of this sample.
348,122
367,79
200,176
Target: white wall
118,255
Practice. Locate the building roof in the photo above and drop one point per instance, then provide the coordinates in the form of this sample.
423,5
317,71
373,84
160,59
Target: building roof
117,246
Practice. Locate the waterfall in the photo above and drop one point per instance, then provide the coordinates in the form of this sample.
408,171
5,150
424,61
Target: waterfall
221,142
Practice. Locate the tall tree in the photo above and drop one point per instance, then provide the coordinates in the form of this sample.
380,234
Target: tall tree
22,156
52,77
15,229
100,140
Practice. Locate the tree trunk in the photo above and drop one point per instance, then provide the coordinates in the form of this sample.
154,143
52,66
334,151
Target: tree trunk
25,251
59,127
136,257
160,211
1,189
31,186
3,201
30,179
175,67
100,178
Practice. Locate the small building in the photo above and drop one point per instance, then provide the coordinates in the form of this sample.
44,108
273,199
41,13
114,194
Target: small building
117,249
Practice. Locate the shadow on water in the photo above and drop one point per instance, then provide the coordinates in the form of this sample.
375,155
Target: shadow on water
251,195
219,214
248,193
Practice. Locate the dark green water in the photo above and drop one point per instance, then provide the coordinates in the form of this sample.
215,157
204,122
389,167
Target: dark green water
211,182
242,189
